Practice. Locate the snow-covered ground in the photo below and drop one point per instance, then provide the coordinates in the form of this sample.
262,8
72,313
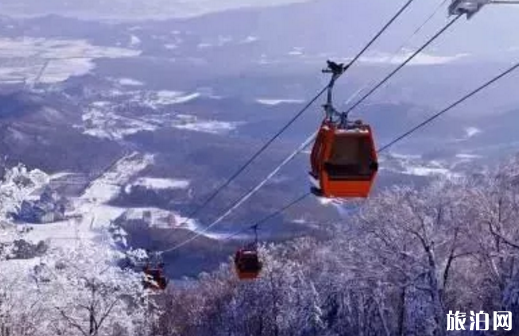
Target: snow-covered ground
77,248
101,119
159,218
249,39
156,99
465,156
130,82
51,60
102,123
90,215
220,41
105,188
192,123
135,41
274,102
427,171
170,46
160,183
420,59
472,131
415,165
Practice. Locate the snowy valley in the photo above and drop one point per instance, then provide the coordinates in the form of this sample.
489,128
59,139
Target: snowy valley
115,132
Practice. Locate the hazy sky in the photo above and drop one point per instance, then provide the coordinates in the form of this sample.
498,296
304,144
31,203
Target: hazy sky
345,23
130,9
160,9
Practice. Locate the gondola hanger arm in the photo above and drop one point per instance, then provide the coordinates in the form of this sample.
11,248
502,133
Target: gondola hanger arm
336,69
471,7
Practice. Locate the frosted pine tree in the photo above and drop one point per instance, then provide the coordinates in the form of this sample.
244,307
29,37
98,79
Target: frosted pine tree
89,295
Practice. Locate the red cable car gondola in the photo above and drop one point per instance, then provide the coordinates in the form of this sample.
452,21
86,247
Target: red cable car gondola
154,277
343,159
247,263
246,260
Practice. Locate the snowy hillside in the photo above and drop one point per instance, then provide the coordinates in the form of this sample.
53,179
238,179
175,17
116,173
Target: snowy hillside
90,215
134,148
71,265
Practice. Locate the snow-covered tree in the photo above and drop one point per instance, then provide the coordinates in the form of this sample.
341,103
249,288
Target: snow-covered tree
87,294
395,268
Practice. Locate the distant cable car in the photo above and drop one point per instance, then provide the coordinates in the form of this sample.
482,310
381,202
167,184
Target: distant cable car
246,260
343,159
154,277
247,263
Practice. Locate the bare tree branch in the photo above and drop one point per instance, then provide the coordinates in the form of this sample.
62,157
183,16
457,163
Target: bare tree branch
72,322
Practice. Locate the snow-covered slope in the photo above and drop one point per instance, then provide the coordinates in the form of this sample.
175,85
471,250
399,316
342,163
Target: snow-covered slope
273,102
75,263
160,183
90,215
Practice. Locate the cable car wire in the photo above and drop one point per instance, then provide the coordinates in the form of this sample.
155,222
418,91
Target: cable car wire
291,121
307,142
403,136
295,117
402,46
245,197
386,26
409,59
393,142
450,107
269,217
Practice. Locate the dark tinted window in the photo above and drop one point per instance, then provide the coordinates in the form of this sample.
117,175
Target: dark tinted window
350,158
249,263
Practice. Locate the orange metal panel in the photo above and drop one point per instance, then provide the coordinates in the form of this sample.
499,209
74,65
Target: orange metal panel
339,189
247,276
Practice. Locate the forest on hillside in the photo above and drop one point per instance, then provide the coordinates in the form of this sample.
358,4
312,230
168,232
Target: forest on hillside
395,268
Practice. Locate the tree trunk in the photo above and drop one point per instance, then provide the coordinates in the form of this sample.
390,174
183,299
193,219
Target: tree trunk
380,307
401,313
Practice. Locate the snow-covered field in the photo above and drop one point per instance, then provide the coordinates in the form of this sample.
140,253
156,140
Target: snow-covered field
155,99
465,156
192,123
161,183
274,102
428,171
159,218
99,121
90,215
417,166
421,59
102,120
130,82
472,131
110,183
75,251
51,60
